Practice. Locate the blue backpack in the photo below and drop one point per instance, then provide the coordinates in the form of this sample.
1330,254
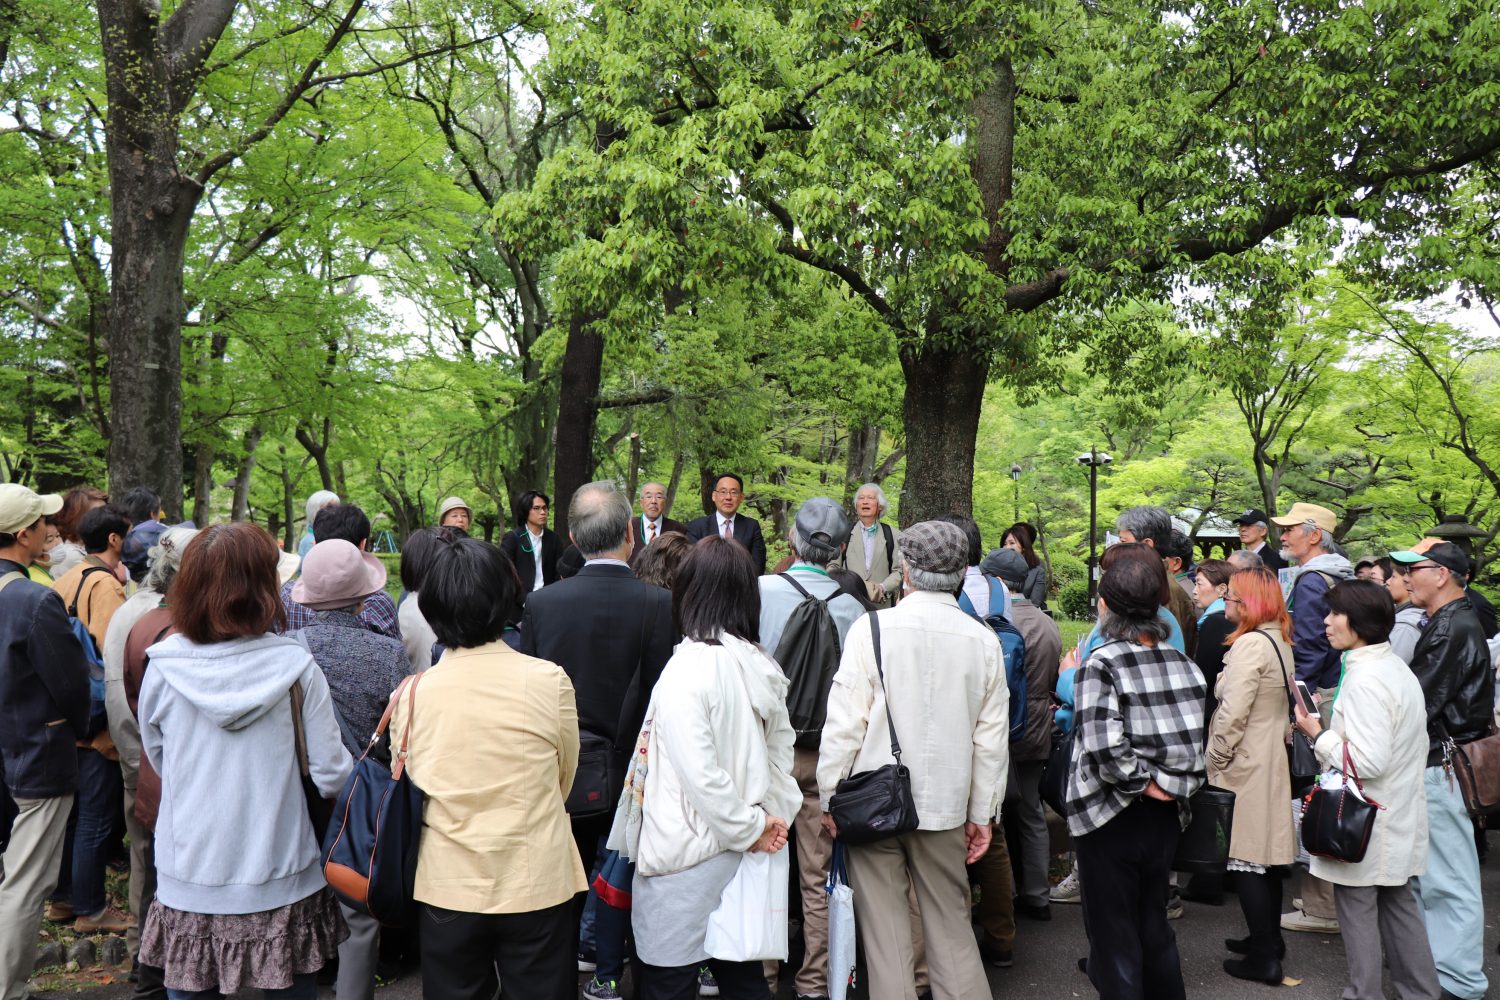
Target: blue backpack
98,719
1013,645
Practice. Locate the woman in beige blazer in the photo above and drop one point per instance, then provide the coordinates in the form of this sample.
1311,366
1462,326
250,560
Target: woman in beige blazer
1247,755
494,744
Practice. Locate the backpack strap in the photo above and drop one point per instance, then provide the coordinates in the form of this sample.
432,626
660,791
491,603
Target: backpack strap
11,577
890,544
806,595
73,607
994,582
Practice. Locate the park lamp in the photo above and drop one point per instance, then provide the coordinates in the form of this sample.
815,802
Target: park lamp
1094,460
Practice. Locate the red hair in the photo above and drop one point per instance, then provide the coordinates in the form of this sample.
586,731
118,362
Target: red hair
1261,602
227,586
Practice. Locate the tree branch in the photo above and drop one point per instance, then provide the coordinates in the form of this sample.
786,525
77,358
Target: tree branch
188,37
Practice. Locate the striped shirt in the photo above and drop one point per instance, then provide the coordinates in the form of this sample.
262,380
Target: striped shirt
1139,718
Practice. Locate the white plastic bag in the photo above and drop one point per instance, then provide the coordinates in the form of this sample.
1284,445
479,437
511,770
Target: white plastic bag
750,923
840,928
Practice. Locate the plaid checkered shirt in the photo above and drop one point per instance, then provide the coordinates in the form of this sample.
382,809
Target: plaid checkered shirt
379,614
1139,717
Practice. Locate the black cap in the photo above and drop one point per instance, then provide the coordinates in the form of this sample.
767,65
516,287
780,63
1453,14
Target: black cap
1251,516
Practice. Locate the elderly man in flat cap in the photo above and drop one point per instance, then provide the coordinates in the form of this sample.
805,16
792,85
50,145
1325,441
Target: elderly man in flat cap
939,677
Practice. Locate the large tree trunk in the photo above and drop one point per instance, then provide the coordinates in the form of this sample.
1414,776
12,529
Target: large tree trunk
577,413
944,393
148,82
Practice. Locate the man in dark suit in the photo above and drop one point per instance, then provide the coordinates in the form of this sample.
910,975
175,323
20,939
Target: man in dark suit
532,545
652,523
612,634
729,493
1253,531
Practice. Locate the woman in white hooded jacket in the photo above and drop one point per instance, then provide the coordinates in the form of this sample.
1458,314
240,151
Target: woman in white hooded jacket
719,780
240,899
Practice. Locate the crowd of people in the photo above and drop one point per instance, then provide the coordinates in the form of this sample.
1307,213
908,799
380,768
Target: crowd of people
613,730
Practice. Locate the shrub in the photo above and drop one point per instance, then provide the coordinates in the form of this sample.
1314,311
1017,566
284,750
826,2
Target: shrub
1074,600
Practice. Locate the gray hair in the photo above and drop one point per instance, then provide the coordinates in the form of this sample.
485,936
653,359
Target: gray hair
1147,522
598,518
1114,625
939,583
1325,539
879,495
165,557
1245,559
812,551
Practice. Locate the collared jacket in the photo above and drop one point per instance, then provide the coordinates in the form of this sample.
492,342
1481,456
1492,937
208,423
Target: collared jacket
494,746
44,690
1247,746
1452,662
1379,718
945,677
883,569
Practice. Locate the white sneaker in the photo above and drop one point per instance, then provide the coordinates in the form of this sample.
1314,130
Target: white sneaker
1301,920
1067,891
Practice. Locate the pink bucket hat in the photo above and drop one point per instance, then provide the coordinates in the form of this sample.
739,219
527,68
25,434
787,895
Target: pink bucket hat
336,574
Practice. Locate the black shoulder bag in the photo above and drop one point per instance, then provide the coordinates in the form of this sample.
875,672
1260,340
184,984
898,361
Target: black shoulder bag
1301,759
875,805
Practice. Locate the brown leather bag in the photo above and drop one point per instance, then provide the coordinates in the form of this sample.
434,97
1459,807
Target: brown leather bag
1476,765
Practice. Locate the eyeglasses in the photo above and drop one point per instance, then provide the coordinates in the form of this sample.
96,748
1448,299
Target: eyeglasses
538,506
726,493
1412,569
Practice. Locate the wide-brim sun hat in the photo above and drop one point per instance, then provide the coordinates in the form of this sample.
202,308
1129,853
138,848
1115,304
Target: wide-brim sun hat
336,574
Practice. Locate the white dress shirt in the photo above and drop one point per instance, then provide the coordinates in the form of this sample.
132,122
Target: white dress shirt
536,554
722,520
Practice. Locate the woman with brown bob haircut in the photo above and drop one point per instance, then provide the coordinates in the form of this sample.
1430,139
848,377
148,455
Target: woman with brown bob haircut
76,502
240,900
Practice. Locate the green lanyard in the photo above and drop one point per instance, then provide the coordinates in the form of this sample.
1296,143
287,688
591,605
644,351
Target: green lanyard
810,569
1343,666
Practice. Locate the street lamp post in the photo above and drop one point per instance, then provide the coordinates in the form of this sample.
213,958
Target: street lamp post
1015,478
1094,459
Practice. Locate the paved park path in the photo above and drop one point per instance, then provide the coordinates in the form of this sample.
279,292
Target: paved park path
1047,956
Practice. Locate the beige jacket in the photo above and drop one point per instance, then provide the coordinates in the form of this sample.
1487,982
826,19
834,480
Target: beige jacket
1247,747
494,744
1381,716
885,572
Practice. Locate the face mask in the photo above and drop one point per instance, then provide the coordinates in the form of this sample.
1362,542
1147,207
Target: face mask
54,555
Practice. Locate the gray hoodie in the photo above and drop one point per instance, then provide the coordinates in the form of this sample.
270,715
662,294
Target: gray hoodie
233,835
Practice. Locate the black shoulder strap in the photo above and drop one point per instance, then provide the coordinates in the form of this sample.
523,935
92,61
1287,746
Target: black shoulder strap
890,543
806,595
880,672
73,607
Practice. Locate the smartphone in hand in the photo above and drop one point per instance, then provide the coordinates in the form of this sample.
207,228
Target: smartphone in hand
1306,697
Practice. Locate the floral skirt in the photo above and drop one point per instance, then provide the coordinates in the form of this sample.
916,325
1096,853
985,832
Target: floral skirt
228,952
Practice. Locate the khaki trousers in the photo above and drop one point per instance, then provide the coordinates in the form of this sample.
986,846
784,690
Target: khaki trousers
931,863
814,854
32,862
1317,895
140,843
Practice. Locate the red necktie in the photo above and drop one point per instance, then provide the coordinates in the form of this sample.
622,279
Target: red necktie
650,532
729,529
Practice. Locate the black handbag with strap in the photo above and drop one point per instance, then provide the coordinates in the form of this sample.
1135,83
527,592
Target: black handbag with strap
1336,823
875,805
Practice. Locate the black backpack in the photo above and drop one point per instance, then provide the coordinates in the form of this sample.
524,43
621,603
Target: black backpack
808,653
